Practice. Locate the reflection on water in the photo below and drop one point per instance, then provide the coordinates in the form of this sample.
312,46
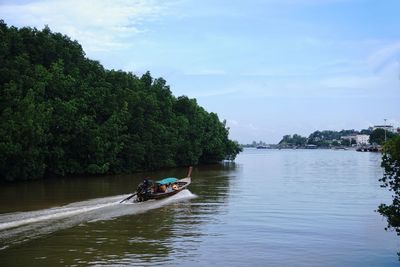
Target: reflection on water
271,208
102,231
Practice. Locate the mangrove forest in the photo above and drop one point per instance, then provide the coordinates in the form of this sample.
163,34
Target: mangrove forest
62,113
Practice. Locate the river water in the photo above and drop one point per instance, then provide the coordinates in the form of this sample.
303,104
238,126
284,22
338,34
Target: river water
269,208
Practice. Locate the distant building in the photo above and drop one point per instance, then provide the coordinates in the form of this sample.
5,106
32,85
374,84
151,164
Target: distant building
362,139
388,128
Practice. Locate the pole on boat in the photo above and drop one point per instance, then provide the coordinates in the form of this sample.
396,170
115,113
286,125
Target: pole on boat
189,172
131,196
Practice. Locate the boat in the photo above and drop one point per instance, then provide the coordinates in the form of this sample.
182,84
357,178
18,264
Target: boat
165,187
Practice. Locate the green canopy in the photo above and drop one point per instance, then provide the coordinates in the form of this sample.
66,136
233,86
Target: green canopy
168,180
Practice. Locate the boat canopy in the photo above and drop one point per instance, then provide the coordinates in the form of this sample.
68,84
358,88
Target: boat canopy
168,180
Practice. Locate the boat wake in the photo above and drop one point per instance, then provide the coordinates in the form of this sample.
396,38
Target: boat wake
19,227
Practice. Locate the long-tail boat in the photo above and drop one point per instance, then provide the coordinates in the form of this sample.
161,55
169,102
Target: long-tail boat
165,187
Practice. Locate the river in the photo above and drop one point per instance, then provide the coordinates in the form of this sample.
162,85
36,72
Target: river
268,208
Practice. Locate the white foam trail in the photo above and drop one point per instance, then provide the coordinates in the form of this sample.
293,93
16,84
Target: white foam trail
106,205
58,215
20,227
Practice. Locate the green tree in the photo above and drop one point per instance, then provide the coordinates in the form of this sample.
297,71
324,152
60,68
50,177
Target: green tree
23,136
391,180
295,140
285,140
378,136
345,142
335,143
62,113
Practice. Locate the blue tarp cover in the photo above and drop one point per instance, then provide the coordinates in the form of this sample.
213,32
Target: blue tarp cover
168,180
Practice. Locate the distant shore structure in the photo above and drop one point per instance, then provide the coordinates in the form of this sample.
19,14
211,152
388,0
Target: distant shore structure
360,139
331,139
388,128
310,146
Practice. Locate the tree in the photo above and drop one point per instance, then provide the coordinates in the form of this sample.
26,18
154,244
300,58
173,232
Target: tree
285,140
62,113
391,180
345,142
295,140
378,136
335,143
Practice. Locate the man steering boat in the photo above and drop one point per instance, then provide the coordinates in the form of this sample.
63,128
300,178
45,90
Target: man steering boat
143,190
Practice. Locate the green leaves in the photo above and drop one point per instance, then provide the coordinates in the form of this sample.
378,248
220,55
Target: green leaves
378,136
62,114
391,180
23,137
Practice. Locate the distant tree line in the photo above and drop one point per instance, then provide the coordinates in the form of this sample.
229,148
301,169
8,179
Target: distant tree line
295,140
334,138
62,113
255,144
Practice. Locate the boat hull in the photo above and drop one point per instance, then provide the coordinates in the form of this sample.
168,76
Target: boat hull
182,184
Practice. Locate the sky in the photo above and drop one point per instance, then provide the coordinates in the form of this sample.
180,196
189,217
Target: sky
269,68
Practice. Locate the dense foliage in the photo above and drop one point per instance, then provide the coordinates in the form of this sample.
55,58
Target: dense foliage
378,136
325,138
61,113
391,180
295,140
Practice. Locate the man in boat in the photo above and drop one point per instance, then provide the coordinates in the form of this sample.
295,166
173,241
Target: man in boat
143,190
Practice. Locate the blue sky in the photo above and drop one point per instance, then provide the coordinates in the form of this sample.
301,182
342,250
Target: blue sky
270,68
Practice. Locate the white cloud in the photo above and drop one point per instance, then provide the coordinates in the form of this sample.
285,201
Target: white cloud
382,72
97,25
384,56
